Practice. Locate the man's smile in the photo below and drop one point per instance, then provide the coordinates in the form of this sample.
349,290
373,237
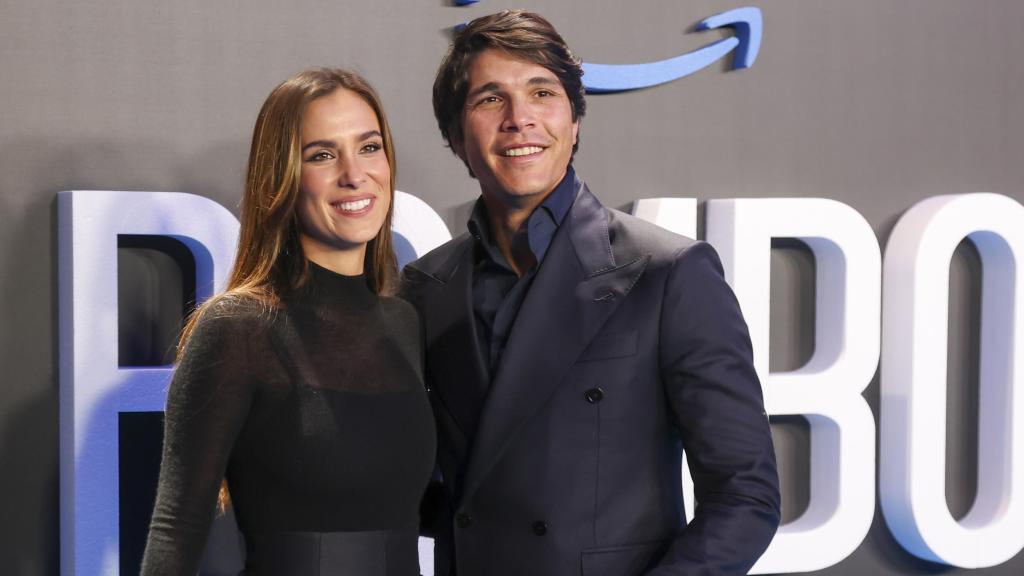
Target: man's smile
522,151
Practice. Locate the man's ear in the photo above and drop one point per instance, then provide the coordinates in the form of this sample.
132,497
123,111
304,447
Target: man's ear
458,148
575,131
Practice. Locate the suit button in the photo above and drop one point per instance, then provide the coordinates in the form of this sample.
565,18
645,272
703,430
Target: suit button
463,520
540,528
594,395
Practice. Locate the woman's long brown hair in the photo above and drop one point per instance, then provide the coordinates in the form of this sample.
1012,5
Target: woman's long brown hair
270,261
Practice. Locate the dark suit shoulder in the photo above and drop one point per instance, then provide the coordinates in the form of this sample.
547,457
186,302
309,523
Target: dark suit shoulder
441,261
629,234
435,267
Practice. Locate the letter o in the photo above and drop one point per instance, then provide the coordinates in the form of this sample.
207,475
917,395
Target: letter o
913,381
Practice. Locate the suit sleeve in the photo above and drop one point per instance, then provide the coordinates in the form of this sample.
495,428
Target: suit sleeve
408,290
207,404
709,378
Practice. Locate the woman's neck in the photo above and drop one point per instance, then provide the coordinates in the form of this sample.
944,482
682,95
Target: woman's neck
348,262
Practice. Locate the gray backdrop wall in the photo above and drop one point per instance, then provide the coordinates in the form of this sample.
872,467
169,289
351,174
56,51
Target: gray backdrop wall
876,104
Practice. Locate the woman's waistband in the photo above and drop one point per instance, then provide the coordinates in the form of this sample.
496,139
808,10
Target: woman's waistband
363,553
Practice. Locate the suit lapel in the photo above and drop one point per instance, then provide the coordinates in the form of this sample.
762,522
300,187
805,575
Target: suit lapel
578,286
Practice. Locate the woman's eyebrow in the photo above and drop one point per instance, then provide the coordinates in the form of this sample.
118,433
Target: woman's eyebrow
320,144
332,144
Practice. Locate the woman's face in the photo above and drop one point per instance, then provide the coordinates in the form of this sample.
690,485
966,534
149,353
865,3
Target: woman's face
345,181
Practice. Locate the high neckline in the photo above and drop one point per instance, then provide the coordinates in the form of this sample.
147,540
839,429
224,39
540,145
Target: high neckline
326,288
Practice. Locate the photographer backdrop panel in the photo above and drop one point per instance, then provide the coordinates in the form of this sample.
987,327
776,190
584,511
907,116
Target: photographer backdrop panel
874,104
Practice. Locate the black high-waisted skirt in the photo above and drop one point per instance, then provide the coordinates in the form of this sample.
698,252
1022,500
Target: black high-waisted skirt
369,553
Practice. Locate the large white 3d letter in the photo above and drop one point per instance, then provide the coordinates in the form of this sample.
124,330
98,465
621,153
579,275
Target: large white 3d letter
416,227
93,389
827,390
913,426
677,215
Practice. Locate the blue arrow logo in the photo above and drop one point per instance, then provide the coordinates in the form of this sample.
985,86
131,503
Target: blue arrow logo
747,25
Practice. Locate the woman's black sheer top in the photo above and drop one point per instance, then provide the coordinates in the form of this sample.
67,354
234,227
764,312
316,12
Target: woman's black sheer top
316,413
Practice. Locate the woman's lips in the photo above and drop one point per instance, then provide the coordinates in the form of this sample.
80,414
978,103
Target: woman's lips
354,207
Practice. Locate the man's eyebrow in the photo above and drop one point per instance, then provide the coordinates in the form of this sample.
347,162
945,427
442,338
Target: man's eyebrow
332,144
543,81
486,87
495,86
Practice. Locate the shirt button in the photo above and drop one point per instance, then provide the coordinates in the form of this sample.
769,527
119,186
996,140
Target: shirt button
463,520
540,528
594,395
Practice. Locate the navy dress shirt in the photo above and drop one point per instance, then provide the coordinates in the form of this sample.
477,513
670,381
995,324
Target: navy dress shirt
498,292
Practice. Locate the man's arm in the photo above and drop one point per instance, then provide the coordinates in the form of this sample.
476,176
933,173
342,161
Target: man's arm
409,289
710,382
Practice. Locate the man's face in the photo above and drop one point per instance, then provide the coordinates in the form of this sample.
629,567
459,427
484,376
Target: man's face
517,128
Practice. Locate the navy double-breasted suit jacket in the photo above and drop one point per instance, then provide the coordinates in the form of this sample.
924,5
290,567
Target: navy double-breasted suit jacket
628,348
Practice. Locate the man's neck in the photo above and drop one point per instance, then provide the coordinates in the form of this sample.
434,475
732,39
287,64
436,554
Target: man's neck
508,231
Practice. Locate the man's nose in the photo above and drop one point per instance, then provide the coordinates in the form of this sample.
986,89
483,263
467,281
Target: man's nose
519,115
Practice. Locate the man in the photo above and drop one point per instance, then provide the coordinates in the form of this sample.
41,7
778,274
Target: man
573,351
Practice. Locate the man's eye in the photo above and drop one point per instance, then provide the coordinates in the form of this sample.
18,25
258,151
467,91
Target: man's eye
544,93
489,100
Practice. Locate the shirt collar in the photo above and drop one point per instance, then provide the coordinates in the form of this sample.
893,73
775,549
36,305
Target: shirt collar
558,202
546,218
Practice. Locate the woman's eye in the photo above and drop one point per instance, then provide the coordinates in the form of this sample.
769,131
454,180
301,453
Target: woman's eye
373,147
322,155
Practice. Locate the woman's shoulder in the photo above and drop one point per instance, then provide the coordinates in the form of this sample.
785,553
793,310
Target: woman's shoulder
232,315
235,306
399,307
402,318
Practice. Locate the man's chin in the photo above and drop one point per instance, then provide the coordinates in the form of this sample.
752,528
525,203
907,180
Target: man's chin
520,195
526,187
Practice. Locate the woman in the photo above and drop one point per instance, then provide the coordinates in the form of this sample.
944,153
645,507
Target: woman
301,385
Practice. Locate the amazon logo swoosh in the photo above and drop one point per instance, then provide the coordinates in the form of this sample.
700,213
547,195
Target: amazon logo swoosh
748,27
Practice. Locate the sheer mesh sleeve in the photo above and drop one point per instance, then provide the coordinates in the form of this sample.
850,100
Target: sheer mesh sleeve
207,404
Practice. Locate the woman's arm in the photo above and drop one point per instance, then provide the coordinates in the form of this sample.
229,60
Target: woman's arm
207,404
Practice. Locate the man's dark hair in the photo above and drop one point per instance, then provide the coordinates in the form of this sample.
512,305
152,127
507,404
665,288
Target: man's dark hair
520,34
